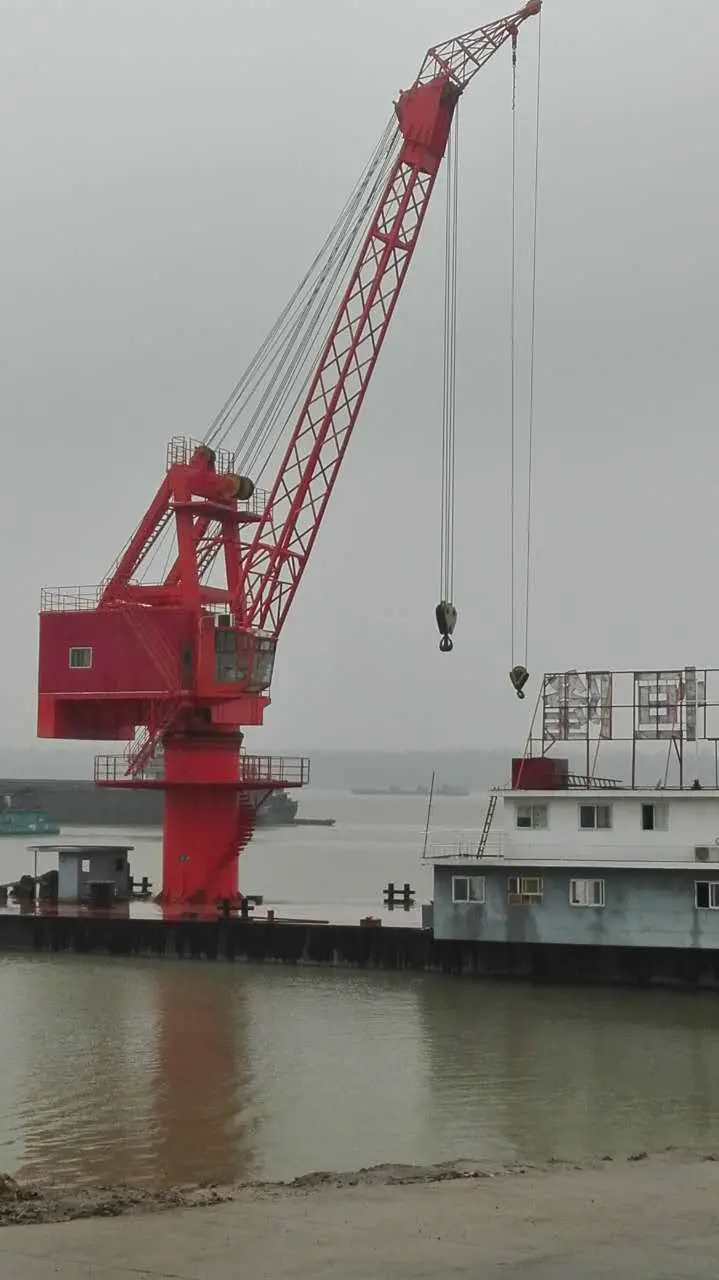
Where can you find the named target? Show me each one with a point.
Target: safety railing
(291, 771)
(68, 599)
(255, 771)
(118, 768)
(573, 782)
(180, 451)
(218, 608)
(111, 769)
(588, 782)
(467, 849)
(255, 505)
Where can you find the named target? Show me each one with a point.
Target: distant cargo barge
(445, 789)
(19, 818)
(31, 822)
(75, 803)
(280, 810)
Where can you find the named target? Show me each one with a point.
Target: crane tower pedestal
(211, 786)
(208, 819)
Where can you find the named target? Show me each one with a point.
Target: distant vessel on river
(444, 789)
(18, 818)
(277, 809)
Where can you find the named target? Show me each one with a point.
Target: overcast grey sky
(169, 169)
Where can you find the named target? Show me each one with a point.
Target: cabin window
(595, 817)
(525, 891)
(80, 658)
(468, 889)
(532, 817)
(230, 664)
(706, 895)
(655, 817)
(586, 893)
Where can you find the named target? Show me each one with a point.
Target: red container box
(539, 773)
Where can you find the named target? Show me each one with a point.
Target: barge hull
(353, 946)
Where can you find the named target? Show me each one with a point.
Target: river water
(158, 1072)
(329, 873)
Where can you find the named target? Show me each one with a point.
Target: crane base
(205, 830)
(209, 816)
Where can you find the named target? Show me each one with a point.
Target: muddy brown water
(162, 1072)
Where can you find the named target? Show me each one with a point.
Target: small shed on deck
(98, 873)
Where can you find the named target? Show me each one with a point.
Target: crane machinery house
(570, 857)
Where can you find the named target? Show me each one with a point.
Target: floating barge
(575, 877)
(21, 815)
(570, 861)
(143, 933)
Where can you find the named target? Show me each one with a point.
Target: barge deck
(142, 931)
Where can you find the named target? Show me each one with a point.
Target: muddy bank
(22, 1204)
(638, 1219)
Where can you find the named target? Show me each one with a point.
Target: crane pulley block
(446, 616)
(518, 677)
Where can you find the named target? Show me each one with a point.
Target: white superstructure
(632, 827)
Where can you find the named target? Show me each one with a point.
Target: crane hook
(446, 616)
(518, 677)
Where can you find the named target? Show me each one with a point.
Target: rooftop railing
(68, 599)
(466, 849)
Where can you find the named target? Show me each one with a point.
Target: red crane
(190, 662)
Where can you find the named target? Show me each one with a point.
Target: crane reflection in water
(148, 1084)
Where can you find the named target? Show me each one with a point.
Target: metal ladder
(147, 545)
(142, 749)
(154, 642)
(487, 824)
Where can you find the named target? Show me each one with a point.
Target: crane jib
(318, 443)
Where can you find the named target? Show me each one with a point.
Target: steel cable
(530, 446)
(447, 540)
(299, 316)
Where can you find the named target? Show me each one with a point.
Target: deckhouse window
(586, 893)
(532, 817)
(468, 889)
(655, 817)
(595, 817)
(79, 658)
(525, 891)
(706, 895)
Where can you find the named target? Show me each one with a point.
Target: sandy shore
(650, 1217)
(21, 1204)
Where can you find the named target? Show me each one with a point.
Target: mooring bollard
(394, 897)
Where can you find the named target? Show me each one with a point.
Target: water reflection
(165, 1072)
(132, 1074)
(534, 1073)
(203, 1087)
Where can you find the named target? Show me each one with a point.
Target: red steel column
(206, 819)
